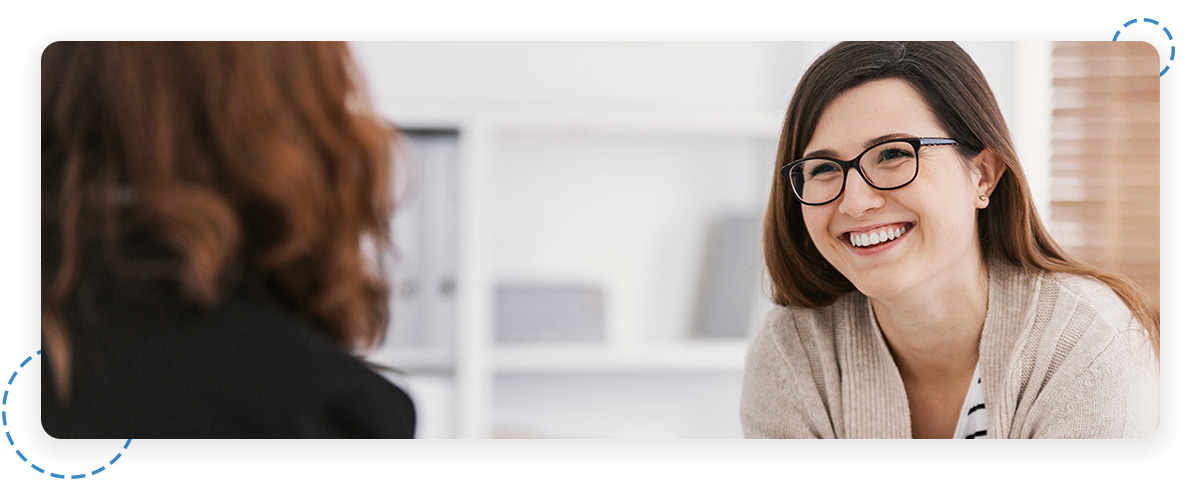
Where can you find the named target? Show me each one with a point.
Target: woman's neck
(934, 333)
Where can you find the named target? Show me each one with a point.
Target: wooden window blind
(1104, 203)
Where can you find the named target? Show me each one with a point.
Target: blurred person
(211, 214)
(919, 294)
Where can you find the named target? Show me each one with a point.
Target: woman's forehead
(873, 110)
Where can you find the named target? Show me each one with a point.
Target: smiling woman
(919, 293)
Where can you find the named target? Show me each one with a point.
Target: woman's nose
(859, 197)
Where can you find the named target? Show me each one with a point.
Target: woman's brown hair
(237, 159)
(959, 96)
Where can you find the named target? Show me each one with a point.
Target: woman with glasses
(919, 293)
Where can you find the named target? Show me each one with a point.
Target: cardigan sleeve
(1116, 396)
(780, 398)
(1102, 375)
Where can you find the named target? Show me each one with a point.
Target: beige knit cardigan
(1060, 357)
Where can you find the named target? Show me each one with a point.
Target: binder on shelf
(549, 313)
(425, 233)
(731, 278)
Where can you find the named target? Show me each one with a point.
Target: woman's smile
(875, 237)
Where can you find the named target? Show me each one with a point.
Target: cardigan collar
(876, 405)
(1012, 299)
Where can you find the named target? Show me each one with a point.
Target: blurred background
(579, 223)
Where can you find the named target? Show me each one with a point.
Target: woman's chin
(881, 285)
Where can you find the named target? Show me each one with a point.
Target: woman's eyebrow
(825, 152)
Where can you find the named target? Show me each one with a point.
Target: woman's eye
(819, 171)
(894, 154)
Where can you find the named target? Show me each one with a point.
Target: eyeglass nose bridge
(847, 167)
(856, 166)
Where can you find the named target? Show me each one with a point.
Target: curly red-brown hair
(239, 158)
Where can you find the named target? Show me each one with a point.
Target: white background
(27, 29)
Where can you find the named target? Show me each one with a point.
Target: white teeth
(873, 238)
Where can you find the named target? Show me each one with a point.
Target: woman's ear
(989, 169)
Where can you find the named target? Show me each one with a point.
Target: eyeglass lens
(888, 165)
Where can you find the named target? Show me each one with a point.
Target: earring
(983, 198)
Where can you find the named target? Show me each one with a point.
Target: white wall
(538, 76)
(702, 76)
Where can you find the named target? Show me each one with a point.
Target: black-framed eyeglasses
(887, 165)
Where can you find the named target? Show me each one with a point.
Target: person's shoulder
(1087, 366)
(246, 367)
(304, 369)
(795, 325)
(791, 384)
(794, 331)
(1080, 298)
(1081, 319)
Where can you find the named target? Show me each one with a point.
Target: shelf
(692, 356)
(414, 360)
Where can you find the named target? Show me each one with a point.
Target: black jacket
(146, 364)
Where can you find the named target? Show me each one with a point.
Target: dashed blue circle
(1164, 29)
(11, 443)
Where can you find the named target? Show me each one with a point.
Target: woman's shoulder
(318, 388)
(794, 327)
(804, 341)
(1077, 323)
(1083, 366)
(1056, 301)
(148, 364)
(1083, 302)
(1087, 289)
(791, 384)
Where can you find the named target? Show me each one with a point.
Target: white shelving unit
(502, 145)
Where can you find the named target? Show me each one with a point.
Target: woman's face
(936, 211)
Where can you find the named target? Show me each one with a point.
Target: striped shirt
(972, 420)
